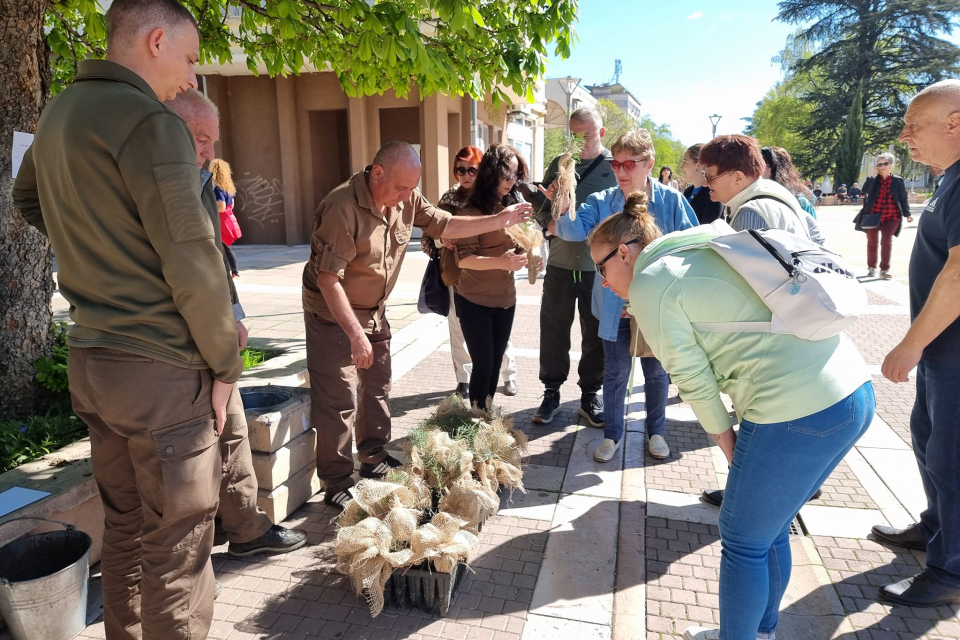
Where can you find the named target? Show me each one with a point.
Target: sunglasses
(626, 165)
(703, 172)
(465, 171)
(883, 164)
(509, 177)
(600, 264)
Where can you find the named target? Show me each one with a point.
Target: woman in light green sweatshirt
(801, 404)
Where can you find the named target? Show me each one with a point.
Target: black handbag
(870, 221)
(434, 295)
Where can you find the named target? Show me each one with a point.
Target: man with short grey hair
(932, 346)
(248, 529)
(112, 180)
(568, 283)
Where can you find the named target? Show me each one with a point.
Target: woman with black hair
(486, 295)
(667, 180)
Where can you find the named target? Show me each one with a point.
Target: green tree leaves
(451, 46)
(892, 48)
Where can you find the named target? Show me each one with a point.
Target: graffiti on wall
(260, 200)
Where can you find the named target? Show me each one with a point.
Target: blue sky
(683, 59)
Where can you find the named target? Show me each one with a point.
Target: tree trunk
(26, 279)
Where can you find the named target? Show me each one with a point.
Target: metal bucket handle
(69, 527)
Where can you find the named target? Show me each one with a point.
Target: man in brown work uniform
(247, 527)
(361, 232)
(112, 180)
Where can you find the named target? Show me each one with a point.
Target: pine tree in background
(850, 146)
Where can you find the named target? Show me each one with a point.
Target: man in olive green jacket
(112, 180)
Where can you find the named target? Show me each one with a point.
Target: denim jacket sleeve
(588, 217)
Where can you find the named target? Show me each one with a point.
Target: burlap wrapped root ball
(377, 498)
(472, 502)
(528, 238)
(364, 553)
(444, 542)
(439, 459)
(498, 451)
(567, 180)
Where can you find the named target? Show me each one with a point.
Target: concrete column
(357, 128)
(289, 165)
(433, 146)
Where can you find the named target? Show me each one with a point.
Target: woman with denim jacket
(633, 156)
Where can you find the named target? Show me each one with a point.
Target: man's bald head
(203, 120)
(943, 96)
(395, 173)
(931, 126)
(397, 154)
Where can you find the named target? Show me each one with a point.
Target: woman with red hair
(466, 164)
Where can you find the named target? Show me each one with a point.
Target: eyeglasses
(883, 164)
(465, 170)
(703, 172)
(600, 264)
(626, 165)
(509, 177)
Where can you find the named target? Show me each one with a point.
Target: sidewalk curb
(826, 587)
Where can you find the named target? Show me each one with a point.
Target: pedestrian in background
(885, 207)
(486, 294)
(666, 177)
(842, 194)
(229, 227)
(818, 194)
(780, 168)
(855, 193)
(932, 345)
(466, 164)
(697, 193)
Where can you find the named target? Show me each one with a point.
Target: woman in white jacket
(732, 168)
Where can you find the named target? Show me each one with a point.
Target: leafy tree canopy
(892, 48)
(450, 46)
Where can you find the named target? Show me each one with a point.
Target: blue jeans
(617, 361)
(776, 469)
(935, 425)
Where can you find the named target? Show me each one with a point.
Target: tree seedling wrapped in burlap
(567, 180)
(470, 501)
(444, 542)
(529, 238)
(365, 553)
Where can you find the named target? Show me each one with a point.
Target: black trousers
(563, 292)
(486, 330)
(231, 258)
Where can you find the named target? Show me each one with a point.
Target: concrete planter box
(283, 445)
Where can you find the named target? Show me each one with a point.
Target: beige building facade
(291, 140)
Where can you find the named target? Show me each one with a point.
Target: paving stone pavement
(673, 578)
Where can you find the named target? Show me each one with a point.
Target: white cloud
(695, 15)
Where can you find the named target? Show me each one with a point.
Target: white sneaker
(658, 447)
(606, 450)
(886, 275)
(872, 272)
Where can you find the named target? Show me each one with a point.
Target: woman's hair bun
(636, 204)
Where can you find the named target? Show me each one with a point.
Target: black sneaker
(549, 406)
(591, 409)
(463, 390)
(277, 539)
(376, 470)
(715, 497)
(339, 499)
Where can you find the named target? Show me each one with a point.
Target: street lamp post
(569, 85)
(714, 119)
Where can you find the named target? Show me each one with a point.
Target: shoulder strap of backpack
(769, 197)
(593, 165)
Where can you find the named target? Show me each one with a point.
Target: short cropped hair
(886, 156)
(733, 153)
(586, 114)
(127, 19)
(191, 103)
(635, 141)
